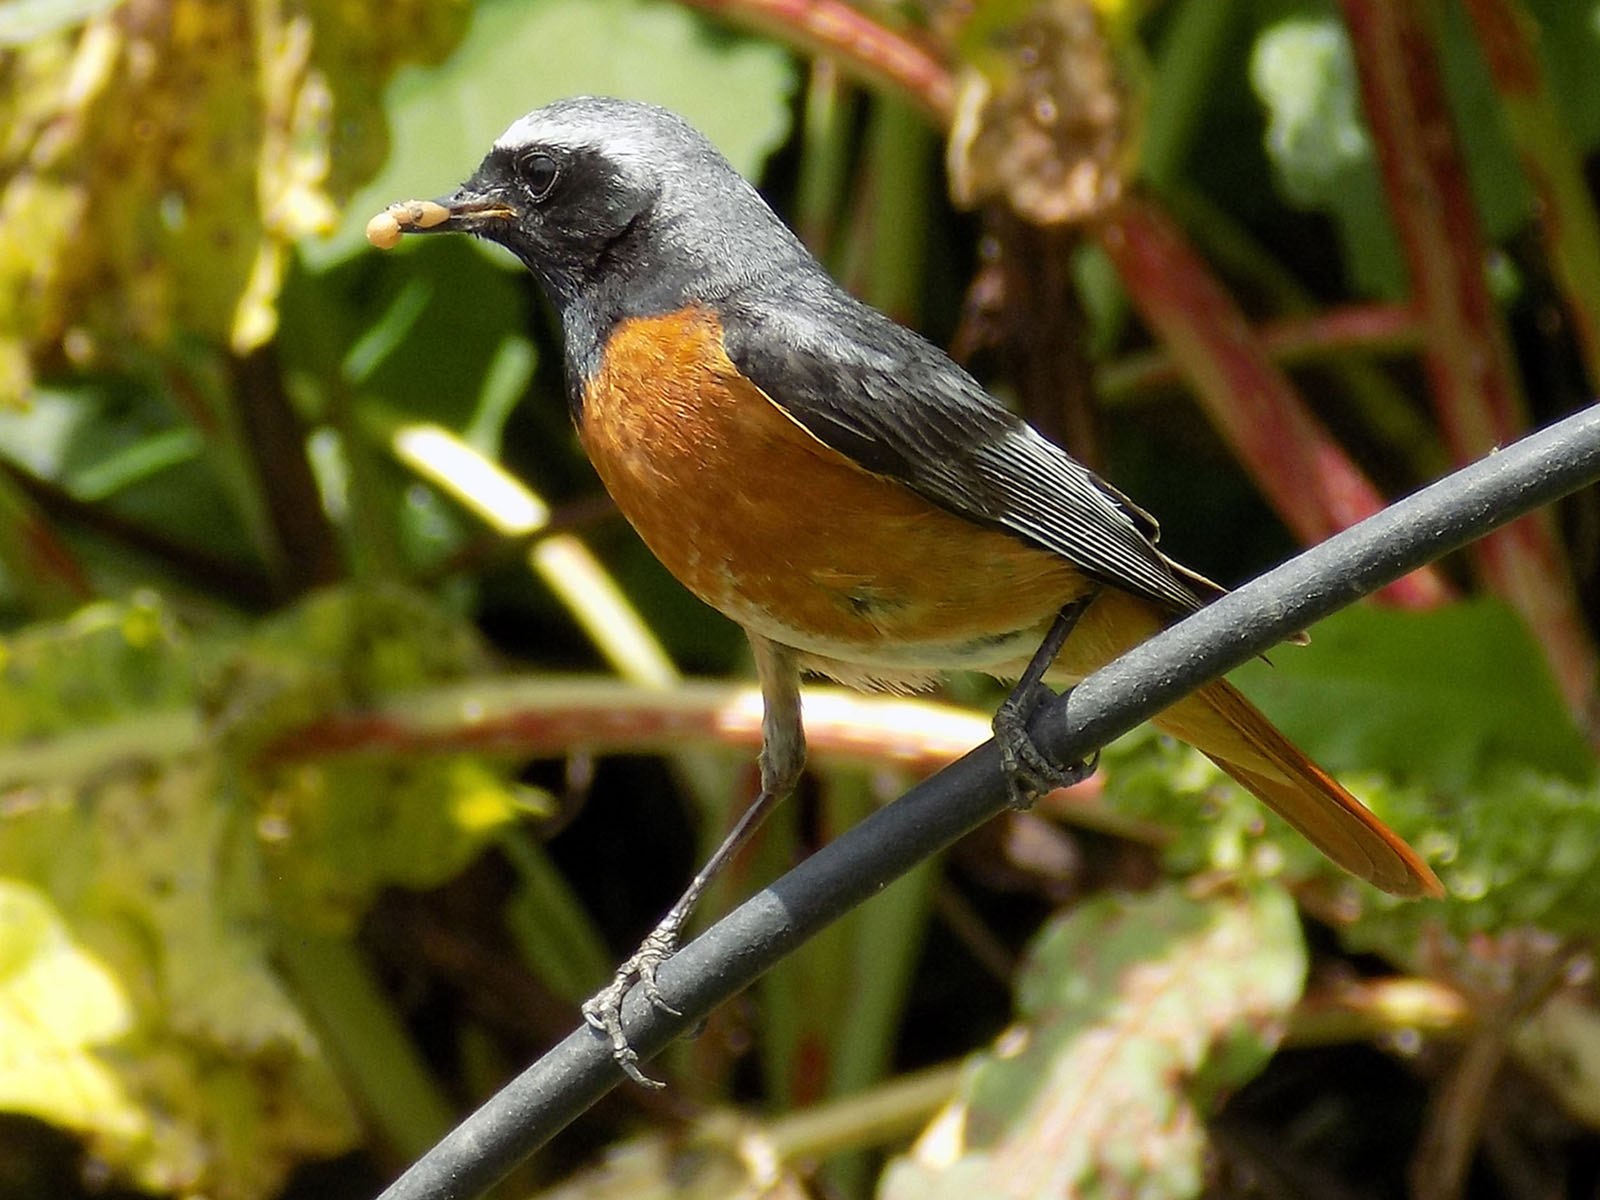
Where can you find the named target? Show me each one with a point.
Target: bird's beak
(463, 212)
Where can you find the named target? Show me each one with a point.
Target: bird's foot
(603, 1011)
(1030, 773)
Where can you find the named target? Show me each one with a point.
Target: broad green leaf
(1446, 697)
(337, 649)
(1134, 1015)
(520, 54)
(340, 832)
(335, 832)
(105, 662)
(211, 1081)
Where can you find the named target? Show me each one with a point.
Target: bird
(833, 482)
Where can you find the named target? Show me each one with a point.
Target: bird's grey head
(617, 203)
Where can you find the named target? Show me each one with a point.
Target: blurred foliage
(1323, 158)
(1132, 1015)
(157, 127)
(154, 865)
(249, 501)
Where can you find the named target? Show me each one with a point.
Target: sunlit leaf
(58, 1005)
(662, 1168)
(106, 661)
(1515, 852)
(214, 1082)
(1135, 1016)
(24, 21)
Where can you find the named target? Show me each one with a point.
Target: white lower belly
(897, 665)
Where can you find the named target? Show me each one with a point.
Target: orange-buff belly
(790, 538)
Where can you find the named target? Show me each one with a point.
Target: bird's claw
(1030, 773)
(602, 1012)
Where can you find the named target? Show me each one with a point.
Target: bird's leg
(1029, 772)
(783, 757)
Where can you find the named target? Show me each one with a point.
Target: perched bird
(830, 480)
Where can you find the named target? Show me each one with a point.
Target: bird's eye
(539, 172)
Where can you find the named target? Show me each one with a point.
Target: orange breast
(790, 538)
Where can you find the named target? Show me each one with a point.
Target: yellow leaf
(58, 1003)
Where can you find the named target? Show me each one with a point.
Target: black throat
(630, 281)
(648, 272)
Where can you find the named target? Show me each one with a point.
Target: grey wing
(897, 405)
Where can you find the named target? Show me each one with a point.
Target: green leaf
(1520, 851)
(1447, 726)
(107, 661)
(519, 55)
(424, 337)
(337, 831)
(1446, 698)
(122, 443)
(1136, 1013)
(342, 831)
(160, 213)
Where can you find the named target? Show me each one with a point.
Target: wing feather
(898, 406)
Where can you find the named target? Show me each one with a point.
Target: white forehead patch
(634, 136)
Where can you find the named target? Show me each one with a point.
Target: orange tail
(1234, 734)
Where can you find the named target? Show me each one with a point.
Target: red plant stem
(556, 717)
(1475, 394)
(875, 54)
(1308, 479)
(1376, 328)
(45, 573)
(1550, 160)
(1507, 49)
